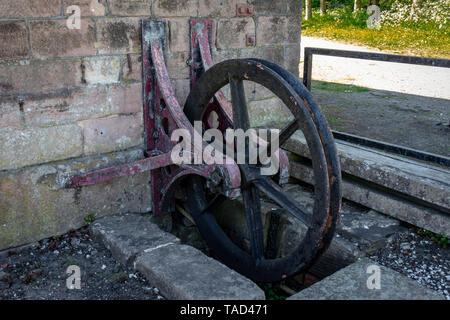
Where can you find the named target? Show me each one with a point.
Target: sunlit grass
(427, 40)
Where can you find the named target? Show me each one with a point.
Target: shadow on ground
(407, 120)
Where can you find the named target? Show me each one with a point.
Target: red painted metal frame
(128, 169)
(201, 61)
(162, 115)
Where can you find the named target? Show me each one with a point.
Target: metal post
(307, 68)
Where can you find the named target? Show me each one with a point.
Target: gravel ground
(419, 258)
(38, 272)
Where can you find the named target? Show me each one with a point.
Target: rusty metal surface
(320, 222)
(208, 185)
(201, 62)
(162, 115)
(127, 169)
(166, 109)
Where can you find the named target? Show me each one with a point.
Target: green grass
(425, 39)
(89, 218)
(272, 292)
(337, 87)
(440, 239)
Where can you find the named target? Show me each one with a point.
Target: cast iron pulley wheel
(320, 222)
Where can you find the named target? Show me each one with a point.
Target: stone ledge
(180, 271)
(384, 202)
(404, 189)
(418, 180)
(34, 206)
(129, 235)
(350, 283)
(184, 273)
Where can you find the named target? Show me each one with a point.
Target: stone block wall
(71, 99)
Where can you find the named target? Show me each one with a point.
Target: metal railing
(433, 62)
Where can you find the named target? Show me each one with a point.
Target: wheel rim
(321, 223)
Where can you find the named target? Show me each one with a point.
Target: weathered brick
(231, 32)
(9, 113)
(118, 35)
(295, 7)
(88, 7)
(112, 134)
(278, 30)
(214, 8)
(101, 70)
(14, 40)
(38, 76)
(175, 8)
(292, 59)
(67, 105)
(132, 67)
(273, 54)
(126, 98)
(38, 145)
(179, 38)
(29, 8)
(177, 66)
(268, 6)
(52, 38)
(130, 7)
(222, 55)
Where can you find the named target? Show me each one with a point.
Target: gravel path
(38, 272)
(419, 258)
(405, 78)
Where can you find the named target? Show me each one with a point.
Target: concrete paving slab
(184, 273)
(404, 189)
(358, 281)
(422, 181)
(129, 235)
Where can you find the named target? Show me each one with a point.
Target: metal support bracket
(163, 115)
(219, 112)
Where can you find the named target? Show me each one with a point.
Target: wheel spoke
(241, 119)
(254, 221)
(274, 191)
(285, 134)
(288, 131)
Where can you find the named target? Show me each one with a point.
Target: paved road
(412, 79)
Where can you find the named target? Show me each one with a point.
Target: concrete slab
(184, 273)
(359, 231)
(353, 282)
(407, 190)
(367, 227)
(129, 235)
(383, 201)
(180, 271)
(370, 229)
(422, 181)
